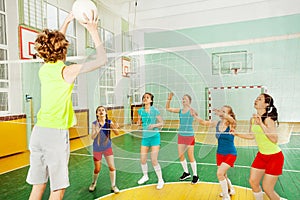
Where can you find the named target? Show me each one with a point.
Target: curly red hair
(51, 45)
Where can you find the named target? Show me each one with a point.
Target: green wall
(275, 62)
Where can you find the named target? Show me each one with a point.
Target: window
(32, 13)
(54, 19)
(107, 79)
(4, 84)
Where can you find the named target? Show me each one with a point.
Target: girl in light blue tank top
(186, 139)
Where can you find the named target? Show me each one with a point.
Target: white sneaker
(143, 180)
(160, 184)
(92, 187)
(115, 190)
(226, 198)
(231, 192)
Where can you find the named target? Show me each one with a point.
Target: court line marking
(168, 183)
(178, 162)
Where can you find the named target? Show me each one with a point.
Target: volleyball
(84, 6)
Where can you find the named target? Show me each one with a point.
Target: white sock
(194, 168)
(95, 178)
(145, 169)
(229, 183)
(158, 172)
(224, 187)
(112, 176)
(258, 195)
(184, 166)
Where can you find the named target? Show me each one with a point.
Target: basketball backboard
(27, 37)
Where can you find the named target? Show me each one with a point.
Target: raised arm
(175, 110)
(247, 136)
(268, 127)
(200, 120)
(114, 128)
(95, 131)
(100, 59)
(64, 27)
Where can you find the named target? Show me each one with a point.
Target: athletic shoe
(185, 176)
(231, 192)
(143, 180)
(160, 184)
(195, 179)
(115, 190)
(92, 187)
(226, 198)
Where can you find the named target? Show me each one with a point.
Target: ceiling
(180, 14)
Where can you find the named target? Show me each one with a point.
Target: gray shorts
(49, 157)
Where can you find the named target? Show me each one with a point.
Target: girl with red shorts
(226, 151)
(102, 146)
(269, 160)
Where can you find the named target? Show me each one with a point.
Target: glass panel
(71, 28)
(26, 12)
(75, 99)
(52, 22)
(2, 5)
(110, 98)
(3, 84)
(3, 72)
(102, 96)
(32, 15)
(71, 47)
(3, 101)
(2, 29)
(39, 14)
(109, 39)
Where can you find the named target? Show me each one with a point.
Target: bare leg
(269, 183)
(144, 152)
(181, 149)
(57, 194)
(254, 180)
(221, 174)
(156, 166)
(37, 191)
(255, 177)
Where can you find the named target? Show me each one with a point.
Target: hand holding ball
(81, 7)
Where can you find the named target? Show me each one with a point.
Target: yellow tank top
(265, 146)
(56, 105)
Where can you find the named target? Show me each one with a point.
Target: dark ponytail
(271, 110)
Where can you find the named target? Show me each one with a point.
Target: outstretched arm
(200, 120)
(64, 27)
(247, 136)
(168, 108)
(114, 128)
(72, 71)
(95, 131)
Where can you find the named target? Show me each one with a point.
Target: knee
(181, 158)
(267, 189)
(112, 169)
(96, 171)
(154, 162)
(253, 183)
(220, 175)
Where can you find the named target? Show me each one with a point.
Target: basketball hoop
(235, 70)
(127, 74)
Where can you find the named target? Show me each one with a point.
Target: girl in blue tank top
(226, 151)
(101, 130)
